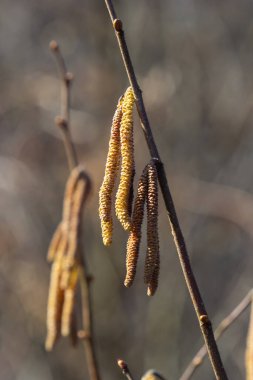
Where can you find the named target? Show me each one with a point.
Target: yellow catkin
(151, 270)
(111, 169)
(68, 305)
(55, 299)
(54, 244)
(249, 348)
(134, 239)
(127, 160)
(73, 231)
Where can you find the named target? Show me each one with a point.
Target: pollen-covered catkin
(249, 348)
(152, 256)
(134, 239)
(127, 160)
(111, 169)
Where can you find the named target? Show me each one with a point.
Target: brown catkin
(111, 169)
(54, 244)
(68, 305)
(151, 270)
(249, 348)
(127, 160)
(134, 239)
(74, 231)
(55, 298)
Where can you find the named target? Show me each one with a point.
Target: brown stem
(205, 324)
(125, 370)
(223, 326)
(64, 123)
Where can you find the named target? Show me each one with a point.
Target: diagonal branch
(223, 326)
(205, 324)
(86, 335)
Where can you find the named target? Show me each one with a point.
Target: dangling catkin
(127, 160)
(68, 305)
(111, 169)
(54, 244)
(134, 239)
(55, 298)
(151, 270)
(249, 348)
(74, 230)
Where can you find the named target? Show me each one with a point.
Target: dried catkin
(151, 270)
(54, 244)
(55, 300)
(68, 305)
(127, 160)
(74, 231)
(134, 239)
(111, 169)
(249, 348)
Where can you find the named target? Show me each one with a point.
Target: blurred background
(194, 61)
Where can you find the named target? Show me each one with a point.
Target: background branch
(125, 370)
(63, 121)
(223, 326)
(205, 324)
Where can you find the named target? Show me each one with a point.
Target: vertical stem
(205, 324)
(64, 123)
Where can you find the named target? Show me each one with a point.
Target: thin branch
(86, 335)
(63, 121)
(223, 326)
(125, 370)
(205, 324)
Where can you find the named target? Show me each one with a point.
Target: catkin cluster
(147, 192)
(63, 252)
(120, 154)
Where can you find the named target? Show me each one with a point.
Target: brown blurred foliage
(194, 62)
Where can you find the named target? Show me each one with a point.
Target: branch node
(61, 122)
(82, 334)
(68, 77)
(204, 320)
(53, 45)
(117, 24)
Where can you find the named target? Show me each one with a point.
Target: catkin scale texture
(134, 239)
(127, 160)
(68, 305)
(151, 271)
(111, 169)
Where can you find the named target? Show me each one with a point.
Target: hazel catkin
(134, 239)
(111, 169)
(127, 160)
(151, 270)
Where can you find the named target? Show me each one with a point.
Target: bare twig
(205, 324)
(223, 326)
(86, 335)
(125, 370)
(63, 121)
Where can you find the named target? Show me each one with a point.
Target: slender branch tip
(60, 122)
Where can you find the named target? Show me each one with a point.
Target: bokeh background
(194, 62)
